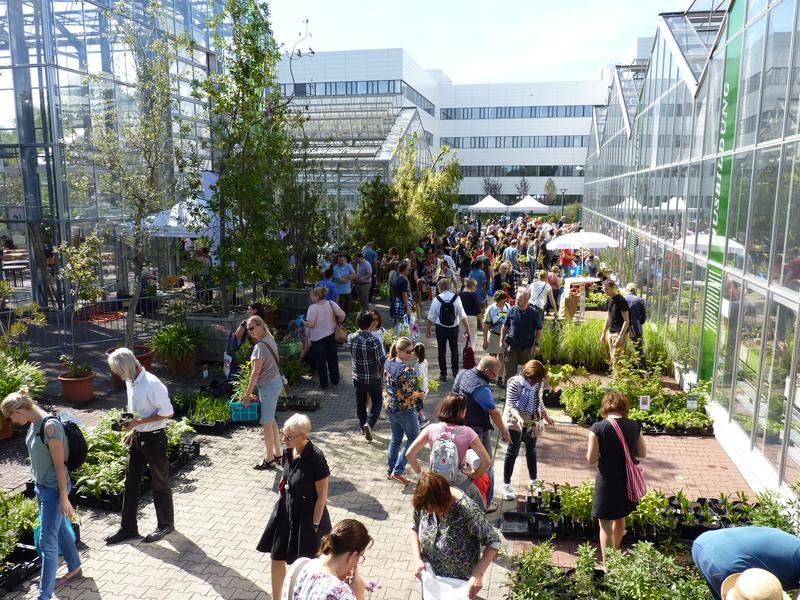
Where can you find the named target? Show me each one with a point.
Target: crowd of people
(500, 281)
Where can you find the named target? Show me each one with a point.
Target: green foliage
(176, 341)
(651, 510)
(104, 469)
(548, 342)
(561, 374)
(383, 216)
(595, 301)
(583, 577)
(15, 326)
(576, 501)
(660, 351)
(81, 268)
(241, 381)
(177, 430)
(550, 191)
(18, 374)
(208, 409)
(583, 398)
(572, 212)
(579, 344)
(293, 370)
(18, 516)
(771, 512)
(534, 577)
(74, 368)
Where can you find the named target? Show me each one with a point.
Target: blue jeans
(403, 422)
(54, 537)
(513, 451)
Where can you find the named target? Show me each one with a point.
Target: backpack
(78, 448)
(444, 455)
(447, 311)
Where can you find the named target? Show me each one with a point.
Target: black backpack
(78, 448)
(447, 311)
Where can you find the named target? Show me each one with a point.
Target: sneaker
(443, 378)
(491, 508)
(401, 478)
(367, 432)
(508, 493)
(424, 423)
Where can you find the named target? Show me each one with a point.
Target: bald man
(475, 385)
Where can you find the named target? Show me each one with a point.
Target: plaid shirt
(368, 357)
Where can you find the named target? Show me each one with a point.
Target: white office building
(363, 102)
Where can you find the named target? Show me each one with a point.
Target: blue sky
(479, 41)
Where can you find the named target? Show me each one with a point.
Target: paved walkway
(222, 504)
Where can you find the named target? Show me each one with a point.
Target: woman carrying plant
(504, 280)
(321, 320)
(493, 320)
(334, 574)
(300, 517)
(611, 504)
(522, 415)
(400, 396)
(48, 449)
(448, 532)
(237, 337)
(451, 414)
(266, 376)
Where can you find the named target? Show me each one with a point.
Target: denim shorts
(268, 396)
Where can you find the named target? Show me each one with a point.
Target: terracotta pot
(77, 389)
(6, 429)
(184, 366)
(144, 354)
(271, 314)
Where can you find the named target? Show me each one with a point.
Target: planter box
(23, 562)
(216, 428)
(217, 329)
(106, 502)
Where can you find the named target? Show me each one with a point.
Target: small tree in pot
(81, 262)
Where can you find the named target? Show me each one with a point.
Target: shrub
(533, 577)
(583, 399)
(659, 351)
(579, 344)
(642, 573)
(209, 409)
(17, 374)
(175, 342)
(548, 343)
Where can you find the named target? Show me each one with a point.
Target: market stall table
(580, 281)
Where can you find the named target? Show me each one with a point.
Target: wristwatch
(316, 526)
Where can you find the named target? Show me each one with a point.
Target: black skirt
(611, 498)
(288, 540)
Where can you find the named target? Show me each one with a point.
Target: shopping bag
(410, 321)
(468, 356)
(37, 534)
(443, 588)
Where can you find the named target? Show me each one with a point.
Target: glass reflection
(749, 357)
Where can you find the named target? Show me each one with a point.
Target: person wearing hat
(753, 584)
(724, 553)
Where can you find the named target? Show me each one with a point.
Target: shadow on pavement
(343, 494)
(189, 557)
(85, 589)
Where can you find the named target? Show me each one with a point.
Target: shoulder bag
(287, 591)
(636, 485)
(286, 391)
(339, 333)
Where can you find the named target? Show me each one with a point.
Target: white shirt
(537, 293)
(147, 396)
(433, 312)
(450, 262)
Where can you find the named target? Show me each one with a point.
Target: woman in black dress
(611, 504)
(300, 517)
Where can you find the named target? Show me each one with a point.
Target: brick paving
(222, 504)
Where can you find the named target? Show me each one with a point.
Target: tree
(383, 216)
(523, 187)
(135, 148)
(492, 187)
(550, 191)
(430, 192)
(252, 146)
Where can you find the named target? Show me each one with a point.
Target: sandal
(264, 464)
(66, 579)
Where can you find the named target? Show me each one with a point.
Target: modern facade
(498, 131)
(694, 165)
(49, 190)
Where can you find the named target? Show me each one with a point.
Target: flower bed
(565, 511)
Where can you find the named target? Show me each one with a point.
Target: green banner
(722, 185)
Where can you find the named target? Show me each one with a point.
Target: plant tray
(216, 428)
(295, 403)
(106, 502)
(23, 562)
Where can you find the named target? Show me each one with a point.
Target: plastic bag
(443, 588)
(410, 321)
(227, 361)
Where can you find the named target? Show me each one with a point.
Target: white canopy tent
(489, 205)
(586, 240)
(717, 243)
(673, 203)
(529, 204)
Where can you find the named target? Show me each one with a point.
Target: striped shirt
(524, 397)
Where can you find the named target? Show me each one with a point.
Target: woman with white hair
(48, 449)
(300, 518)
(146, 439)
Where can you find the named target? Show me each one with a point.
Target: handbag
(286, 391)
(636, 485)
(468, 356)
(339, 333)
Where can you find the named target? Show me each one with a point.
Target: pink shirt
(463, 440)
(320, 319)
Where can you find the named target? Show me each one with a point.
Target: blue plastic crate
(242, 414)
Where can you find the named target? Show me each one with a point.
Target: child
(421, 373)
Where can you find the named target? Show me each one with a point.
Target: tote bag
(636, 485)
(340, 333)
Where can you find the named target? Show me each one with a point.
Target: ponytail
(346, 536)
(401, 343)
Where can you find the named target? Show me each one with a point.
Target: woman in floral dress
(449, 531)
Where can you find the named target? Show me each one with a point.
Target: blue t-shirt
(332, 293)
(724, 552)
(521, 327)
(483, 398)
(480, 277)
(370, 255)
(343, 287)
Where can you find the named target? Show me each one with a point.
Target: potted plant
(271, 307)
(77, 382)
(81, 263)
(176, 345)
